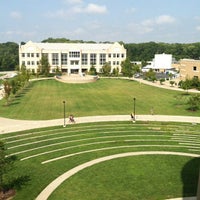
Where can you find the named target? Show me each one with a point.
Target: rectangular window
(118, 55)
(194, 68)
(23, 63)
(84, 59)
(74, 62)
(109, 55)
(32, 55)
(64, 58)
(122, 55)
(28, 62)
(114, 55)
(37, 55)
(74, 54)
(28, 54)
(93, 59)
(32, 63)
(55, 60)
(102, 59)
(23, 55)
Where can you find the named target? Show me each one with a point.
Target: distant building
(72, 57)
(189, 69)
(160, 63)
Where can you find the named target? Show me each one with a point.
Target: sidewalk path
(12, 125)
(59, 180)
(165, 85)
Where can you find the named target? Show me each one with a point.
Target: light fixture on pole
(64, 125)
(134, 99)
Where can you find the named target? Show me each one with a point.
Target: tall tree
(6, 164)
(7, 90)
(127, 68)
(44, 66)
(106, 69)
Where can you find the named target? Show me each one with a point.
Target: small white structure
(160, 63)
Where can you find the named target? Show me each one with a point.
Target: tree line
(9, 55)
(146, 51)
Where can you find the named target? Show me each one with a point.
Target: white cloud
(90, 8)
(164, 19)
(73, 1)
(15, 15)
(149, 25)
(198, 28)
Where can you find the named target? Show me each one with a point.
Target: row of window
(32, 55)
(72, 62)
(72, 54)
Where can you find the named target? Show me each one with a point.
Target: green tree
(106, 69)
(8, 182)
(150, 75)
(115, 72)
(194, 102)
(6, 164)
(185, 85)
(8, 56)
(172, 83)
(44, 66)
(162, 80)
(127, 68)
(7, 91)
(92, 70)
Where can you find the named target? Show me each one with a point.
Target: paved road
(12, 125)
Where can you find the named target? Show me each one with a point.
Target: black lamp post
(64, 114)
(134, 99)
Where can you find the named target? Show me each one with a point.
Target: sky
(130, 21)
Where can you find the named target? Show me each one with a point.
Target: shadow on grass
(190, 177)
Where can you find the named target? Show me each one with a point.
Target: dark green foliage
(6, 164)
(44, 66)
(146, 51)
(106, 69)
(127, 68)
(8, 56)
(190, 84)
(92, 70)
(150, 75)
(64, 40)
(194, 102)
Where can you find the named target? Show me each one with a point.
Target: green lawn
(43, 100)
(147, 177)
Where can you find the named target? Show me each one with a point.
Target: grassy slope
(146, 173)
(43, 100)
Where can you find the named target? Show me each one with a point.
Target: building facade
(72, 57)
(189, 69)
(160, 63)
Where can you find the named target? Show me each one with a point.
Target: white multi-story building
(72, 57)
(160, 63)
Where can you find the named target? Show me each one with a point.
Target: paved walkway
(165, 85)
(12, 125)
(54, 184)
